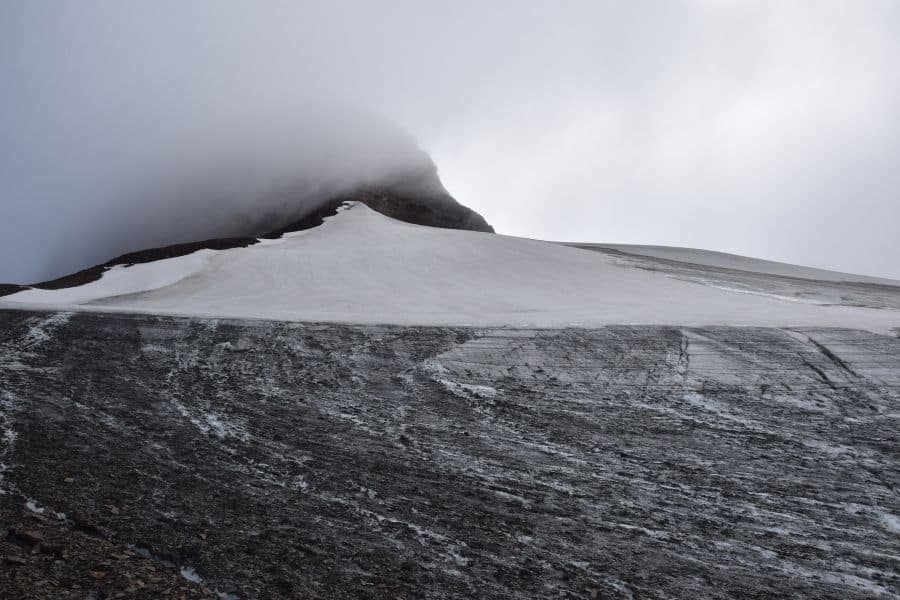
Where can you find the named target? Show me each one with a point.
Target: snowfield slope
(211, 436)
(363, 267)
(723, 260)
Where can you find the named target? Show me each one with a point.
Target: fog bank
(198, 176)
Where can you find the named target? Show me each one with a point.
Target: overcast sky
(770, 129)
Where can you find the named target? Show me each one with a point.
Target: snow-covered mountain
(363, 406)
(362, 266)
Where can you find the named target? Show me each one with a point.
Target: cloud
(765, 128)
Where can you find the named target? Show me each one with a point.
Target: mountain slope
(166, 457)
(419, 198)
(723, 260)
(361, 266)
(259, 456)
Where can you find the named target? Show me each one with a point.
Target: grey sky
(770, 129)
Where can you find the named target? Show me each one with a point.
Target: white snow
(42, 331)
(363, 267)
(468, 389)
(191, 575)
(724, 260)
(122, 280)
(890, 521)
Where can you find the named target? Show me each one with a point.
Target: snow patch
(439, 373)
(468, 389)
(190, 573)
(890, 521)
(865, 585)
(42, 330)
(209, 422)
(830, 450)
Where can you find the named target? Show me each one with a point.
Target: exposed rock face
(436, 211)
(419, 198)
(170, 457)
(11, 288)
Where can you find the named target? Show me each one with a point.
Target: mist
(103, 153)
(205, 176)
(764, 128)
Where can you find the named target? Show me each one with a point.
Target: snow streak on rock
(259, 459)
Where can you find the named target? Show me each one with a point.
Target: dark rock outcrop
(11, 288)
(435, 211)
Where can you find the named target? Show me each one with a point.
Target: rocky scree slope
(159, 457)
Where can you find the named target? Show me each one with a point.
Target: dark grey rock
(620, 462)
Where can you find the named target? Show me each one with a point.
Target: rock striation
(145, 457)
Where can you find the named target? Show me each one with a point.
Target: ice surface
(363, 267)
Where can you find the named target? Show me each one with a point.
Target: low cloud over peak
(762, 128)
(198, 176)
